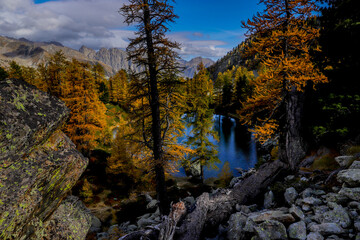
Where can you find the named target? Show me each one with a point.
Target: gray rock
(152, 204)
(304, 179)
(194, 170)
(297, 231)
(353, 214)
(357, 226)
(144, 222)
(102, 236)
(296, 212)
(352, 193)
(249, 225)
(327, 228)
(321, 209)
(190, 200)
(289, 178)
(308, 220)
(350, 176)
(338, 215)
(290, 195)
(236, 223)
(334, 237)
(271, 230)
(95, 225)
(269, 200)
(318, 192)
(335, 197)
(243, 208)
(308, 192)
(148, 197)
(312, 201)
(314, 236)
(355, 165)
(131, 228)
(307, 162)
(344, 161)
(354, 204)
(306, 207)
(276, 215)
(253, 207)
(38, 166)
(234, 181)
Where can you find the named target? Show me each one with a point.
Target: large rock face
(38, 164)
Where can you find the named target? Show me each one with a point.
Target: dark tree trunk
(292, 147)
(155, 113)
(291, 143)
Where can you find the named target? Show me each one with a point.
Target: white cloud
(73, 23)
(205, 48)
(94, 23)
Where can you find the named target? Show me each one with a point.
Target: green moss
(41, 114)
(326, 162)
(9, 136)
(353, 150)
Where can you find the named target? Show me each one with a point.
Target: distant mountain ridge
(233, 58)
(191, 66)
(29, 53)
(114, 57)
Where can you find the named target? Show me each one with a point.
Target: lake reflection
(235, 146)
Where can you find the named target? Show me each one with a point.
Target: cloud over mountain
(93, 23)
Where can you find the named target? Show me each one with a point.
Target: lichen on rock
(38, 165)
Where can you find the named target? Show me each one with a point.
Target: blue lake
(235, 145)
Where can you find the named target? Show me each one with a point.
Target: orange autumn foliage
(282, 37)
(119, 87)
(87, 117)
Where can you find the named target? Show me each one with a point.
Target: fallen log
(212, 209)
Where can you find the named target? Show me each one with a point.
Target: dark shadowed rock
(314, 236)
(236, 223)
(297, 231)
(290, 195)
(327, 228)
(271, 230)
(70, 220)
(352, 193)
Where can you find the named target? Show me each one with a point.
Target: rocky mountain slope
(114, 57)
(29, 53)
(190, 67)
(38, 167)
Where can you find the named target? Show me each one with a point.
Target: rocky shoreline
(308, 209)
(313, 214)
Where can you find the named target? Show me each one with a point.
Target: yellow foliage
(225, 175)
(86, 191)
(281, 39)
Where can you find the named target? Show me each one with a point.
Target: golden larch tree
(87, 118)
(282, 37)
(119, 87)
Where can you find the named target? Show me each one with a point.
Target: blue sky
(207, 28)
